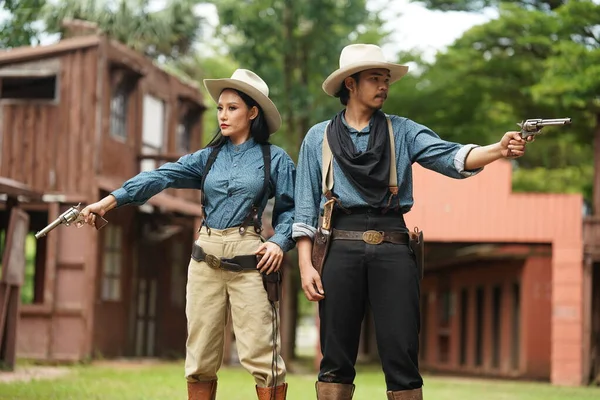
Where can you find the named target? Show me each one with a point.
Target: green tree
(478, 5)
(537, 59)
(293, 46)
(168, 33)
(18, 29)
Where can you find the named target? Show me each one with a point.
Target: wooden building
(78, 118)
(506, 292)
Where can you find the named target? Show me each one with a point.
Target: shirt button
(235, 165)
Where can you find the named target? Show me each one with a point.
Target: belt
(371, 236)
(235, 264)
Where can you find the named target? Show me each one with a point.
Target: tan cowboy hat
(359, 57)
(251, 84)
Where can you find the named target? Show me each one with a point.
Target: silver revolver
(532, 127)
(72, 215)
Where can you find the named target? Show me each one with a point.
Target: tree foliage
(293, 46)
(167, 33)
(538, 59)
(18, 29)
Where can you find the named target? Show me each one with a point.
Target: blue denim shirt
(413, 143)
(234, 180)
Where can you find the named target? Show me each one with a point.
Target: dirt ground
(26, 373)
(29, 372)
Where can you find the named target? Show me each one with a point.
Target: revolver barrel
(532, 127)
(47, 229)
(65, 218)
(556, 121)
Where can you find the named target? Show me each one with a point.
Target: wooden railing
(591, 234)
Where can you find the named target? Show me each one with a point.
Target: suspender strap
(327, 171)
(393, 173)
(253, 214)
(209, 163)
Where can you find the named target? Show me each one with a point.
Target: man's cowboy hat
(251, 84)
(359, 57)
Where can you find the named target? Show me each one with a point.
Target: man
(369, 260)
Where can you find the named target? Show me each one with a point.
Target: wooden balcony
(591, 235)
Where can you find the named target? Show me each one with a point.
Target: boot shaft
(202, 390)
(415, 394)
(269, 393)
(334, 391)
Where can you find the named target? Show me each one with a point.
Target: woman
(245, 171)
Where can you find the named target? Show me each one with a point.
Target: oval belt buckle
(372, 237)
(212, 261)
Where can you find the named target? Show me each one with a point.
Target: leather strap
(236, 264)
(371, 237)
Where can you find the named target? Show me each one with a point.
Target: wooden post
(13, 275)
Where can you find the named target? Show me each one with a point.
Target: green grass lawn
(164, 381)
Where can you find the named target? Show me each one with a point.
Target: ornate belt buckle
(212, 261)
(372, 237)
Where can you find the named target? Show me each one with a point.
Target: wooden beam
(15, 188)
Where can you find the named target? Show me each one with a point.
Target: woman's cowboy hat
(359, 57)
(251, 84)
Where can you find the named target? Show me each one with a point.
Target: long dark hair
(259, 130)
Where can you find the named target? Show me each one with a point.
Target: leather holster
(416, 244)
(320, 247)
(272, 284)
(322, 238)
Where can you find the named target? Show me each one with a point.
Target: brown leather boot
(334, 391)
(415, 394)
(267, 393)
(202, 390)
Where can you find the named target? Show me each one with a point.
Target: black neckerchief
(368, 171)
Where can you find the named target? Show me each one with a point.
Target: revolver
(68, 217)
(532, 127)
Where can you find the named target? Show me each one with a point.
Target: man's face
(372, 88)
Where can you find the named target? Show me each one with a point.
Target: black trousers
(384, 276)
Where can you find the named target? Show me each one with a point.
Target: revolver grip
(100, 222)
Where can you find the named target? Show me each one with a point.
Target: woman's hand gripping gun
(72, 215)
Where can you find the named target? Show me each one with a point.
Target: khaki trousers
(210, 295)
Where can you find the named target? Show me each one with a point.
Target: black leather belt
(371, 236)
(235, 264)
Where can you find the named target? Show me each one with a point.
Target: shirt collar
(366, 129)
(240, 148)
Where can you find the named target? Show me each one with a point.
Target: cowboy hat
(359, 57)
(251, 84)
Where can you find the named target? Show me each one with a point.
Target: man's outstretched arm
(510, 146)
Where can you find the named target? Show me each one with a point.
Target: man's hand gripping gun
(532, 127)
(72, 215)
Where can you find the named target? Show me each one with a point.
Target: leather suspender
(253, 213)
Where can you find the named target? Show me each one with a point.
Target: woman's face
(234, 116)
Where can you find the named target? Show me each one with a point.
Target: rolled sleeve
(121, 196)
(300, 229)
(460, 159)
(308, 183)
(283, 209)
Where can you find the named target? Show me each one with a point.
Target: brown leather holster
(320, 248)
(416, 244)
(322, 238)
(272, 284)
